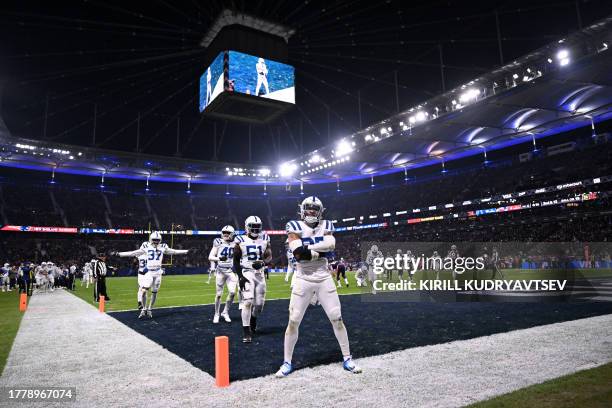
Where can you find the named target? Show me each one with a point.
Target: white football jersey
(316, 270)
(154, 255)
(225, 249)
(252, 249)
(142, 263)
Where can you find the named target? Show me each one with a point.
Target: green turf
(9, 323)
(585, 389)
(184, 290)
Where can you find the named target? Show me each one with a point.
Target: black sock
(253, 323)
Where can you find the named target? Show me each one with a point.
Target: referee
(98, 267)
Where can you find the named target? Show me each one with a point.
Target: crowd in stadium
(67, 204)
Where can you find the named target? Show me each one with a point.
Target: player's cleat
(142, 314)
(226, 317)
(284, 370)
(149, 314)
(216, 319)
(247, 337)
(349, 365)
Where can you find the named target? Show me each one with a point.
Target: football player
(341, 271)
(151, 278)
(251, 253)
(4, 277)
(453, 254)
(311, 239)
(437, 264)
(372, 254)
(51, 272)
(222, 254)
(361, 275)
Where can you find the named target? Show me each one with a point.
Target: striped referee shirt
(98, 268)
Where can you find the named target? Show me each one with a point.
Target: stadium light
(343, 148)
(264, 172)
(563, 57)
(286, 169)
(562, 54)
(472, 94)
(315, 158)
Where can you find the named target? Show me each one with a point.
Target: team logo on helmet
(227, 232)
(311, 210)
(252, 225)
(155, 238)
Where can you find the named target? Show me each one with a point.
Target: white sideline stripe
(64, 341)
(131, 370)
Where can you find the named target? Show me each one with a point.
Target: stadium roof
(563, 85)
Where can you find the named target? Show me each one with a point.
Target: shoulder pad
(239, 239)
(144, 245)
(217, 242)
(328, 226)
(294, 227)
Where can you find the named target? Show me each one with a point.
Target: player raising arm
(310, 240)
(150, 256)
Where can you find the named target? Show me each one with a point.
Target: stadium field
(587, 389)
(9, 323)
(184, 290)
(189, 290)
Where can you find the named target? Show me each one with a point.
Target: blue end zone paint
(374, 329)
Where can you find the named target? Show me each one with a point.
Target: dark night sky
(140, 56)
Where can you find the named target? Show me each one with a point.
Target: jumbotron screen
(249, 75)
(211, 82)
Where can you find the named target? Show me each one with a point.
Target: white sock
(228, 303)
(246, 314)
(153, 299)
(342, 337)
(217, 304)
(291, 337)
(144, 299)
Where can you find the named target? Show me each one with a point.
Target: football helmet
(227, 232)
(155, 238)
(252, 225)
(311, 210)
